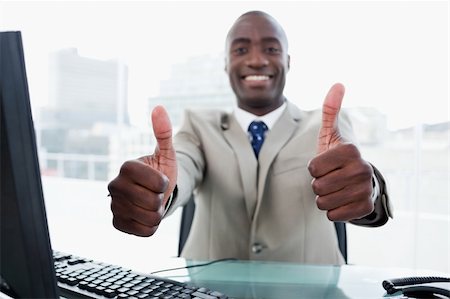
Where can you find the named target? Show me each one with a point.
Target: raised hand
(140, 191)
(342, 179)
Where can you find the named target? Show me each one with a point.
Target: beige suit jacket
(250, 209)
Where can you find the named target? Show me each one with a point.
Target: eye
(240, 51)
(273, 50)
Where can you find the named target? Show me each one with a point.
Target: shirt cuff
(375, 188)
(170, 201)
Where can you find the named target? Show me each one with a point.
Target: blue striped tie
(257, 130)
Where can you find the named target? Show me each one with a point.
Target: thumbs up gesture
(342, 180)
(140, 191)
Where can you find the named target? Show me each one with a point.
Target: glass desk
(273, 280)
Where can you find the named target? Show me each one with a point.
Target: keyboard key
(132, 292)
(156, 293)
(140, 277)
(218, 295)
(75, 261)
(143, 284)
(203, 296)
(203, 290)
(173, 293)
(123, 290)
(72, 281)
(109, 293)
(188, 291)
(99, 290)
(158, 283)
(115, 286)
(106, 284)
(138, 288)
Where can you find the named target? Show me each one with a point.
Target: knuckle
(112, 186)
(157, 220)
(320, 203)
(161, 182)
(116, 207)
(351, 147)
(366, 170)
(120, 225)
(369, 207)
(312, 168)
(113, 206)
(331, 216)
(151, 231)
(115, 223)
(364, 192)
(156, 201)
(365, 209)
(316, 186)
(127, 167)
(351, 150)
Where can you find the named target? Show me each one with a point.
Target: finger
(136, 195)
(343, 197)
(355, 176)
(351, 211)
(329, 183)
(126, 210)
(329, 132)
(333, 159)
(140, 173)
(162, 128)
(133, 227)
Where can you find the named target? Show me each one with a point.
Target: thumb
(164, 157)
(162, 128)
(329, 135)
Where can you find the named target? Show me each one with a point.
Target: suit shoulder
(203, 116)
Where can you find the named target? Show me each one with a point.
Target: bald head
(248, 20)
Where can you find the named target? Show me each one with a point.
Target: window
(95, 71)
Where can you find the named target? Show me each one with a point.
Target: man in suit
(268, 189)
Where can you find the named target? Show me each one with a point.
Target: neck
(262, 110)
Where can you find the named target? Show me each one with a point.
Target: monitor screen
(26, 261)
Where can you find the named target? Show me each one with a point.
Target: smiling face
(257, 62)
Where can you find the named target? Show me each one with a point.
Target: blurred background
(97, 69)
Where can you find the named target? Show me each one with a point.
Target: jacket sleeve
(382, 211)
(191, 163)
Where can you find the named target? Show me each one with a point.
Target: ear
(289, 62)
(225, 67)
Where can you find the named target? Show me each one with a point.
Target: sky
(393, 56)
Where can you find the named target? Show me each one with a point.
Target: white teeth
(256, 78)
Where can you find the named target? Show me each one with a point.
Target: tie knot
(257, 131)
(257, 127)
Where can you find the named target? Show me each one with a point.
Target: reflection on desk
(274, 280)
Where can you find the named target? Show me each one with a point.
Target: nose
(256, 59)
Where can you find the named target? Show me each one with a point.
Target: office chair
(188, 214)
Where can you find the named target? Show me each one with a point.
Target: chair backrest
(188, 214)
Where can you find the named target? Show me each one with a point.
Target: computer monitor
(26, 261)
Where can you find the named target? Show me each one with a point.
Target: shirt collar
(244, 118)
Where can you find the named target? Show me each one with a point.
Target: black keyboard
(83, 278)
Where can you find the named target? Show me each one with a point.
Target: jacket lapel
(278, 136)
(248, 165)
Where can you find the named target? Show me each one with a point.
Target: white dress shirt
(245, 118)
